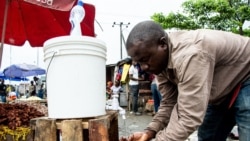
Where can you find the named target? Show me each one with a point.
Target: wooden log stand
(101, 128)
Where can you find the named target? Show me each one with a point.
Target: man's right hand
(137, 136)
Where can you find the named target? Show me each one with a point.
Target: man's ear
(163, 41)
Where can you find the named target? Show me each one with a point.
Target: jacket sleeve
(169, 98)
(195, 75)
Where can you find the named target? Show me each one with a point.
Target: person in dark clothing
(3, 93)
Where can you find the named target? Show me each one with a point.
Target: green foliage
(246, 32)
(227, 15)
(177, 21)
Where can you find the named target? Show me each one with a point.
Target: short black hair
(148, 32)
(35, 78)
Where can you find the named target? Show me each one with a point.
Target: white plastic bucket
(76, 76)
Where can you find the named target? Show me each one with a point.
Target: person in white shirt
(134, 86)
(116, 88)
(38, 83)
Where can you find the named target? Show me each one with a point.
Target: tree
(227, 15)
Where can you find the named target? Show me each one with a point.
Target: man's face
(152, 59)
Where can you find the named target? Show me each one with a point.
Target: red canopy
(21, 21)
(26, 21)
(63, 5)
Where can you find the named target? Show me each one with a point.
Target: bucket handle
(47, 70)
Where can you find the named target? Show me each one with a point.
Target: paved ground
(134, 123)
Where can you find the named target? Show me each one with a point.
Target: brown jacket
(204, 66)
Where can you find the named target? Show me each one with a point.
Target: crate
(101, 128)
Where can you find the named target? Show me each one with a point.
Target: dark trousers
(134, 92)
(219, 119)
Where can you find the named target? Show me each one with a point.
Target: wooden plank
(100, 128)
(72, 130)
(113, 130)
(33, 122)
(85, 125)
(45, 130)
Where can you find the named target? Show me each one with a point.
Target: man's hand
(137, 136)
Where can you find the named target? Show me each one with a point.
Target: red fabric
(235, 94)
(118, 76)
(63, 5)
(37, 24)
(151, 77)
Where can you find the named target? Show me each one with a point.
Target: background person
(116, 88)
(134, 86)
(41, 91)
(32, 88)
(12, 96)
(156, 94)
(33, 96)
(3, 92)
(108, 89)
(37, 82)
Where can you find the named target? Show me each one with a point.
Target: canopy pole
(4, 29)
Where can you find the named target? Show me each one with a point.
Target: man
(38, 83)
(199, 74)
(41, 91)
(32, 88)
(134, 79)
(3, 93)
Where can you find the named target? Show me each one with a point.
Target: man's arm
(135, 79)
(169, 98)
(195, 76)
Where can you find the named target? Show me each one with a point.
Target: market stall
(121, 74)
(15, 120)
